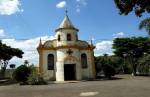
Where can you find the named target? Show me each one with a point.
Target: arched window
(84, 61)
(68, 37)
(50, 62)
(58, 37)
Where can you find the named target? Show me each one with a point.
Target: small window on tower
(68, 37)
(58, 37)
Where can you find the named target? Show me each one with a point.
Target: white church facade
(66, 57)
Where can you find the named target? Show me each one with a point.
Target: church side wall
(48, 74)
(87, 72)
(91, 63)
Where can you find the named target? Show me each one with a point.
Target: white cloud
(80, 3)
(78, 9)
(61, 4)
(2, 33)
(118, 35)
(9, 7)
(104, 47)
(30, 52)
(29, 48)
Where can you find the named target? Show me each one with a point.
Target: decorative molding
(65, 47)
(70, 58)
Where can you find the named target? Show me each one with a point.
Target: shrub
(109, 71)
(38, 81)
(22, 73)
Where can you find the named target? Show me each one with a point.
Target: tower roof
(66, 24)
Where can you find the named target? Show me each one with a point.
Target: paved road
(127, 87)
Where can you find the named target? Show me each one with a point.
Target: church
(66, 57)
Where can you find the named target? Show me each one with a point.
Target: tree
(145, 59)
(6, 54)
(145, 24)
(108, 70)
(26, 62)
(22, 73)
(144, 67)
(133, 47)
(106, 65)
(138, 6)
(98, 64)
(12, 66)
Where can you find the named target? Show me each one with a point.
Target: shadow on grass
(144, 75)
(103, 78)
(6, 82)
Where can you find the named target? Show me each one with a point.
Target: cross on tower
(66, 11)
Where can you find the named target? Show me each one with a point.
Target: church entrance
(69, 72)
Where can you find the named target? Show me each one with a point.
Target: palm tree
(145, 24)
(26, 62)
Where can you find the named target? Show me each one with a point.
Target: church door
(69, 72)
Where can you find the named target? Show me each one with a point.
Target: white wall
(48, 74)
(87, 72)
(63, 37)
(61, 56)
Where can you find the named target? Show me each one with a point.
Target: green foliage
(38, 81)
(144, 65)
(34, 74)
(138, 6)
(145, 59)
(134, 48)
(116, 62)
(35, 78)
(26, 62)
(6, 54)
(98, 63)
(106, 65)
(108, 71)
(22, 73)
(127, 68)
(145, 24)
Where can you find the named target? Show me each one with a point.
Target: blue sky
(96, 19)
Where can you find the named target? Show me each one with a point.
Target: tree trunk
(134, 68)
(3, 68)
(2, 72)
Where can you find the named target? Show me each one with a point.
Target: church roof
(53, 44)
(66, 24)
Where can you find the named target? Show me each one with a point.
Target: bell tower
(66, 32)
